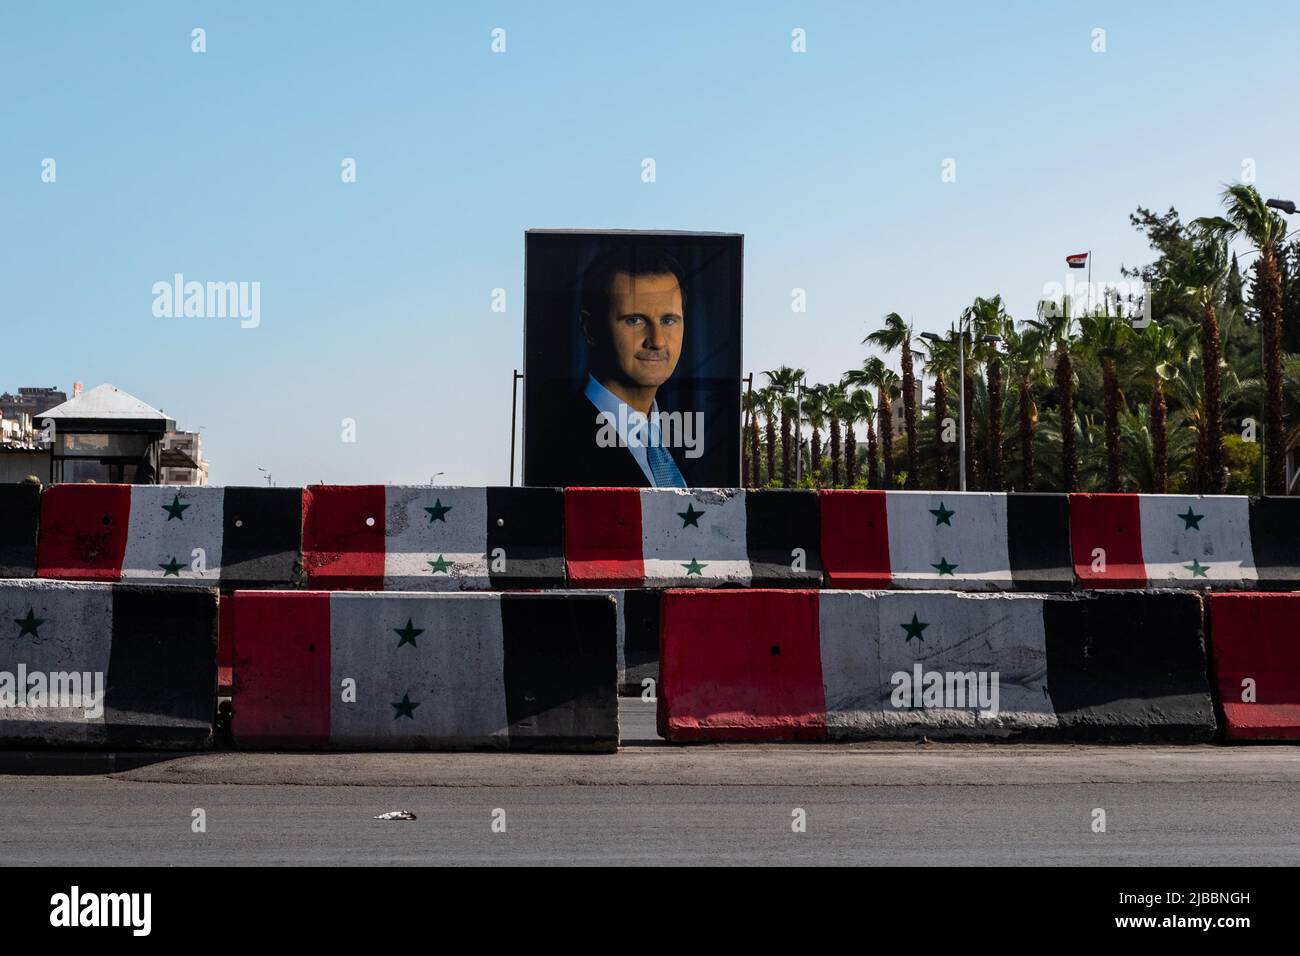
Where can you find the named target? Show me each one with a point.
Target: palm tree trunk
(1270, 309)
(886, 415)
(850, 455)
(771, 448)
(753, 449)
(1026, 435)
(909, 418)
(815, 465)
(1160, 436)
(873, 475)
(968, 416)
(835, 452)
(1211, 354)
(1110, 384)
(993, 479)
(940, 446)
(1065, 395)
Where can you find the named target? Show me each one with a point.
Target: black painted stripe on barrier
(527, 524)
(640, 640)
(777, 522)
(1129, 665)
(1275, 540)
(1038, 542)
(262, 538)
(20, 507)
(560, 671)
(162, 670)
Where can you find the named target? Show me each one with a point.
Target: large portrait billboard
(632, 347)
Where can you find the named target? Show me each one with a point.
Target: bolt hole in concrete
(107, 520)
(239, 522)
(776, 650)
(370, 522)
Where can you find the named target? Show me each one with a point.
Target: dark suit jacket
(571, 456)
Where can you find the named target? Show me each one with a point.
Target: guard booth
(105, 435)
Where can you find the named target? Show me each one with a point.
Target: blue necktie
(664, 469)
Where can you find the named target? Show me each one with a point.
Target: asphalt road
(878, 804)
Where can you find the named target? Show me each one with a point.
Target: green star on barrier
(915, 628)
(942, 515)
(438, 512)
(690, 517)
(694, 568)
(408, 634)
(172, 568)
(440, 566)
(1198, 570)
(175, 509)
(404, 707)
(1191, 520)
(29, 624)
(943, 567)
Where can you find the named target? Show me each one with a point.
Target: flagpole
(1089, 281)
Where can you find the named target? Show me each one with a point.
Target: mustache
(652, 355)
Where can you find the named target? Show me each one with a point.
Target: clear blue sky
(376, 295)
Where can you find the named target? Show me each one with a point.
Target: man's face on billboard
(645, 325)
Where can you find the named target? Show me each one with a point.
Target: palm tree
(1195, 281)
(1026, 350)
(1247, 215)
(749, 442)
(876, 373)
(896, 335)
(839, 409)
(1105, 337)
(814, 413)
(988, 320)
(863, 410)
(768, 401)
(941, 361)
(1055, 326)
(783, 382)
(1156, 350)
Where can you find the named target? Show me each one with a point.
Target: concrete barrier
(127, 667)
(20, 507)
(945, 540)
(384, 671)
(1165, 541)
(1255, 653)
(171, 534)
(707, 537)
(419, 538)
(809, 665)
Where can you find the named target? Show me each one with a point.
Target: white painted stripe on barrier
(52, 627)
(937, 632)
(1189, 541)
(426, 672)
(435, 539)
(948, 540)
(174, 535)
(694, 537)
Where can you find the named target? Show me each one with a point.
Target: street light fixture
(1286, 205)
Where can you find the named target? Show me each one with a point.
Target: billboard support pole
(514, 405)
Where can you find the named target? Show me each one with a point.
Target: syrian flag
(171, 534)
(1077, 261)
(420, 538)
(1162, 541)
(425, 671)
(702, 537)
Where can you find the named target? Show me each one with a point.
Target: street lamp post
(961, 390)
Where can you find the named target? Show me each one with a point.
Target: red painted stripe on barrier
(282, 667)
(1113, 524)
(741, 665)
(1255, 636)
(602, 537)
(855, 539)
(343, 537)
(83, 532)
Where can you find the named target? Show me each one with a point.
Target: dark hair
(629, 258)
